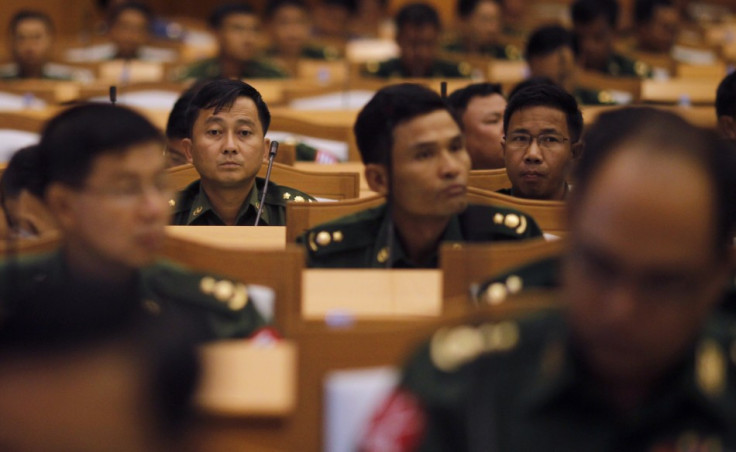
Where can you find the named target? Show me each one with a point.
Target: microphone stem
(271, 156)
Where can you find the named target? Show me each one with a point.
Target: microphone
(271, 155)
(113, 94)
(443, 90)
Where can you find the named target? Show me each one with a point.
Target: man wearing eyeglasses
(542, 126)
(104, 180)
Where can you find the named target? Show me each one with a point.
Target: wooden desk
(353, 167)
(234, 237)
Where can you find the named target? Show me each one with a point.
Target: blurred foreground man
(635, 360)
(104, 181)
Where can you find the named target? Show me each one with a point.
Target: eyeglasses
(546, 141)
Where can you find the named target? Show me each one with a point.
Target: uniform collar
(201, 206)
(389, 246)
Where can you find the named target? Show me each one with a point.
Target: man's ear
(266, 146)
(577, 149)
(58, 200)
(377, 177)
(186, 146)
(727, 127)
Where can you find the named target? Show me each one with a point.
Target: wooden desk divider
(234, 237)
(302, 216)
(489, 179)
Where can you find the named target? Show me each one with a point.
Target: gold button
(197, 211)
(223, 290)
(512, 220)
(299, 198)
(323, 238)
(498, 218)
(172, 203)
(337, 236)
(382, 256)
(514, 284)
(207, 285)
(496, 293)
(239, 299)
(152, 307)
(287, 195)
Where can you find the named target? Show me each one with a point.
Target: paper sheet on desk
(12, 140)
(351, 398)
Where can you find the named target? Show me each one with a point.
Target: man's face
(596, 43)
(538, 171)
(418, 47)
(483, 122)
(118, 216)
(290, 29)
(238, 36)
(430, 166)
(227, 147)
(31, 43)
(643, 272)
(484, 24)
(129, 32)
(660, 33)
(558, 66)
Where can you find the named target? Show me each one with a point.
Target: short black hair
(222, 12)
(389, 107)
(584, 12)
(350, 5)
(274, 5)
(545, 40)
(658, 131)
(417, 14)
(465, 8)
(115, 13)
(21, 173)
(644, 9)
(177, 125)
(29, 14)
(726, 96)
(221, 94)
(531, 81)
(460, 98)
(74, 138)
(546, 95)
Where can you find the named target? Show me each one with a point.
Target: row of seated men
(641, 358)
(551, 50)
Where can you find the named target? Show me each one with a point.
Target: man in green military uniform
(227, 122)
(31, 41)
(594, 27)
(550, 53)
(480, 28)
(418, 30)
(635, 360)
(105, 183)
(237, 29)
(414, 154)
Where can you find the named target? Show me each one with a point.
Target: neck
(227, 201)
(34, 71)
(85, 264)
(420, 236)
(231, 68)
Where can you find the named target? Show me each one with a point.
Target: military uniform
(210, 68)
(440, 69)
(362, 240)
(191, 206)
(587, 96)
(520, 386)
(221, 308)
(497, 51)
(311, 52)
(621, 66)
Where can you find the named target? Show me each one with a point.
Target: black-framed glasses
(546, 141)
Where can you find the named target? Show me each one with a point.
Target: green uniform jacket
(210, 68)
(587, 96)
(192, 208)
(621, 66)
(497, 51)
(520, 387)
(440, 69)
(362, 240)
(220, 308)
(311, 52)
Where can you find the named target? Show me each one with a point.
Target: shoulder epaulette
(347, 233)
(479, 221)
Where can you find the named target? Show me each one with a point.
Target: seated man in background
(414, 154)
(227, 124)
(480, 31)
(417, 34)
(332, 20)
(31, 38)
(480, 108)
(594, 27)
(237, 28)
(177, 128)
(550, 53)
(542, 127)
(657, 25)
(104, 181)
(288, 23)
(635, 358)
(726, 107)
(21, 196)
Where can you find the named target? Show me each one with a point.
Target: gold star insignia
(287, 195)
(498, 218)
(710, 368)
(207, 285)
(496, 293)
(514, 284)
(511, 220)
(239, 298)
(323, 238)
(299, 198)
(337, 236)
(224, 290)
(382, 256)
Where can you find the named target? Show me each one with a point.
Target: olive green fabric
(210, 68)
(440, 69)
